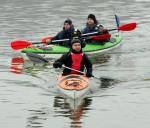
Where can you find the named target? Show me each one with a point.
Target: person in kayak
(92, 25)
(74, 59)
(68, 32)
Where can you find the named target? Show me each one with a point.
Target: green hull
(57, 49)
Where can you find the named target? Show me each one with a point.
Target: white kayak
(73, 85)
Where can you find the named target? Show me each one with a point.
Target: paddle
(125, 27)
(78, 71)
(40, 59)
(117, 19)
(19, 44)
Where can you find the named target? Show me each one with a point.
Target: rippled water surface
(28, 94)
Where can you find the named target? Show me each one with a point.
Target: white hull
(73, 94)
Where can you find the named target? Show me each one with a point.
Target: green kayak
(56, 51)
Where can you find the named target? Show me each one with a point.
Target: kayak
(73, 85)
(55, 51)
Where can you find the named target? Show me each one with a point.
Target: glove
(105, 31)
(77, 33)
(88, 74)
(57, 65)
(83, 44)
(48, 41)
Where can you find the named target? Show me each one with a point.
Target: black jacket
(95, 28)
(65, 34)
(67, 61)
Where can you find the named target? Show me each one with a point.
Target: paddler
(75, 59)
(92, 25)
(68, 32)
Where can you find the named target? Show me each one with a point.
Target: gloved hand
(83, 44)
(48, 41)
(57, 65)
(88, 74)
(77, 33)
(105, 31)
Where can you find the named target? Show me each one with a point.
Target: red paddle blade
(101, 37)
(46, 38)
(17, 61)
(19, 44)
(17, 65)
(127, 27)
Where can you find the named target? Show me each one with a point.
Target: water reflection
(36, 119)
(100, 58)
(74, 109)
(17, 65)
(108, 82)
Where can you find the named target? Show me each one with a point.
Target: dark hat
(92, 16)
(75, 40)
(68, 21)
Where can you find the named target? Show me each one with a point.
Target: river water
(28, 96)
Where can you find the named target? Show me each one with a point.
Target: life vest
(76, 62)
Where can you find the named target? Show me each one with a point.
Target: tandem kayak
(55, 51)
(73, 85)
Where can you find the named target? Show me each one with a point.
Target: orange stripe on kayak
(71, 82)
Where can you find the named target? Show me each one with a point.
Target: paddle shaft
(53, 41)
(78, 71)
(112, 29)
(82, 36)
(92, 33)
(73, 69)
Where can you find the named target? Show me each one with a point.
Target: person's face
(66, 26)
(90, 21)
(76, 47)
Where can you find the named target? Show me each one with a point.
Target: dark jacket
(67, 61)
(95, 28)
(65, 34)
(90, 29)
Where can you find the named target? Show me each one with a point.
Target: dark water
(30, 99)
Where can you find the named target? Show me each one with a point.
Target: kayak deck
(73, 86)
(73, 82)
(57, 49)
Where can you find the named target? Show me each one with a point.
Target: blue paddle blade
(117, 20)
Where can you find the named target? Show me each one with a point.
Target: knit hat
(75, 40)
(92, 16)
(68, 21)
